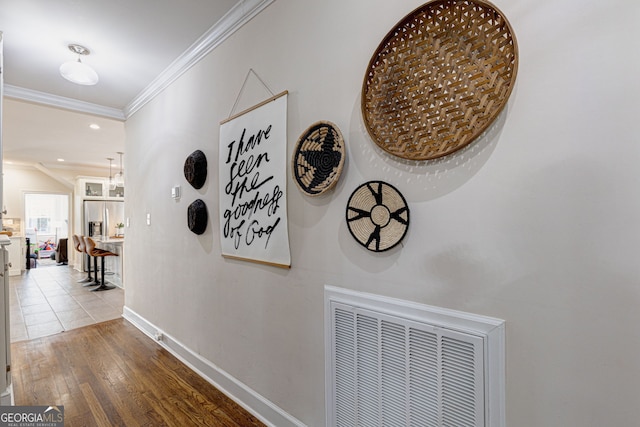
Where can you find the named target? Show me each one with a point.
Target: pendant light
(119, 178)
(112, 183)
(77, 72)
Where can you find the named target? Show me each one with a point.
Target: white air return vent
(397, 363)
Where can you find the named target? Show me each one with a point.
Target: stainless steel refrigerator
(100, 219)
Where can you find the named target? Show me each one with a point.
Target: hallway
(48, 300)
(109, 373)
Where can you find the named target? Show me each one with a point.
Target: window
(46, 219)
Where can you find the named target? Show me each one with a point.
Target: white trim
(240, 14)
(256, 404)
(457, 320)
(62, 102)
(492, 329)
(233, 20)
(7, 398)
(45, 170)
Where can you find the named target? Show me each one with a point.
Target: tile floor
(48, 300)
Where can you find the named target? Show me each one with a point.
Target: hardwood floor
(111, 374)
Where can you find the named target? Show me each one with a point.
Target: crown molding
(42, 168)
(61, 102)
(233, 20)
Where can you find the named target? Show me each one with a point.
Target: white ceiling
(137, 48)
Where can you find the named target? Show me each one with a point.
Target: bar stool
(78, 243)
(90, 248)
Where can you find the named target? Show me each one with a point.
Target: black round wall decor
(195, 169)
(318, 158)
(377, 216)
(197, 216)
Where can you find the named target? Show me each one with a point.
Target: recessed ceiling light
(61, 160)
(94, 126)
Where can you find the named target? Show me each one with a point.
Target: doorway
(46, 223)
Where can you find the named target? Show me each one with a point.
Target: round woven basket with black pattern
(377, 216)
(318, 158)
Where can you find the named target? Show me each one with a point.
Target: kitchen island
(113, 264)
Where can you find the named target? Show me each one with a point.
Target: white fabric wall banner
(253, 184)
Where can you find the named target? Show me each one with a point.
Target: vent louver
(387, 370)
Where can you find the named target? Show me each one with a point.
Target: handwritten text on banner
(253, 167)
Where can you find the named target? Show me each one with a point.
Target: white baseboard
(257, 405)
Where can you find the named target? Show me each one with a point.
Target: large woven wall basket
(318, 158)
(377, 216)
(439, 78)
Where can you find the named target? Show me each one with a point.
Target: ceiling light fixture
(119, 178)
(76, 71)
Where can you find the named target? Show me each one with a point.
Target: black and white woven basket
(318, 158)
(377, 216)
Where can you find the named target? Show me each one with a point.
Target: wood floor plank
(101, 419)
(112, 374)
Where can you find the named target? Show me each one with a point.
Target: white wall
(537, 223)
(19, 180)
